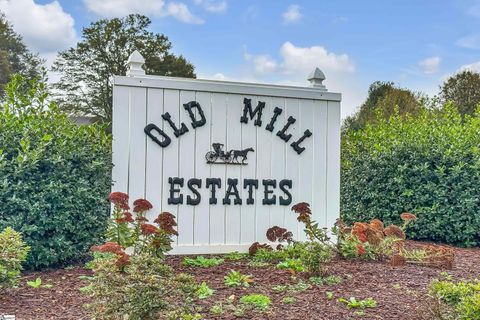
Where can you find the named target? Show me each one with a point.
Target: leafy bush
(54, 176)
(13, 252)
(428, 165)
(139, 285)
(146, 289)
(454, 300)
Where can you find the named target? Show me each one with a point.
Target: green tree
(15, 56)
(384, 98)
(87, 70)
(463, 89)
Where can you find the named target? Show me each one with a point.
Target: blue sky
(416, 44)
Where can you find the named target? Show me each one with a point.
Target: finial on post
(316, 78)
(134, 64)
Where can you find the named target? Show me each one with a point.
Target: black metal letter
(232, 184)
(295, 145)
(183, 128)
(250, 183)
(213, 182)
(248, 109)
(282, 185)
(194, 104)
(198, 183)
(148, 131)
(266, 192)
(276, 112)
(285, 137)
(173, 182)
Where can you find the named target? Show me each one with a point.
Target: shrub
(454, 300)
(147, 289)
(54, 176)
(13, 252)
(429, 165)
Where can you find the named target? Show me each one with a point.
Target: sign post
(228, 159)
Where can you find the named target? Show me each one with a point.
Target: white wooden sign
(227, 159)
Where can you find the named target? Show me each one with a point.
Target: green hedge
(428, 165)
(54, 176)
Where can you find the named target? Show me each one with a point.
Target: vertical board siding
(186, 170)
(277, 159)
(120, 132)
(263, 154)
(249, 139)
(170, 154)
(319, 201)
(203, 144)
(136, 164)
(154, 174)
(142, 168)
(333, 163)
(292, 163)
(218, 125)
(234, 142)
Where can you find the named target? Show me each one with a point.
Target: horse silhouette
(240, 153)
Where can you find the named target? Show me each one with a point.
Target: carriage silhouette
(218, 155)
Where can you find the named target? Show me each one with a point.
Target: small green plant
(289, 300)
(459, 300)
(204, 291)
(235, 256)
(258, 302)
(292, 288)
(13, 252)
(329, 295)
(37, 283)
(269, 255)
(353, 303)
(217, 309)
(293, 265)
(258, 264)
(329, 281)
(236, 279)
(202, 262)
(397, 286)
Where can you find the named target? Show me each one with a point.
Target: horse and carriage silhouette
(229, 157)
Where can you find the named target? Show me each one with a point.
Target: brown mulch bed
(399, 291)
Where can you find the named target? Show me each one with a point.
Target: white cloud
(430, 65)
(295, 64)
(475, 67)
(469, 42)
(155, 8)
(180, 11)
(45, 28)
(212, 6)
(307, 58)
(292, 14)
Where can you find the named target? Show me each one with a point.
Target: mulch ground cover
(400, 292)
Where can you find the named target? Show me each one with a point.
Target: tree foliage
(87, 70)
(15, 56)
(382, 99)
(428, 165)
(463, 89)
(55, 176)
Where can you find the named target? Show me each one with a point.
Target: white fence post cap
(316, 78)
(134, 64)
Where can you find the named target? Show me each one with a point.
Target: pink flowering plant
(128, 229)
